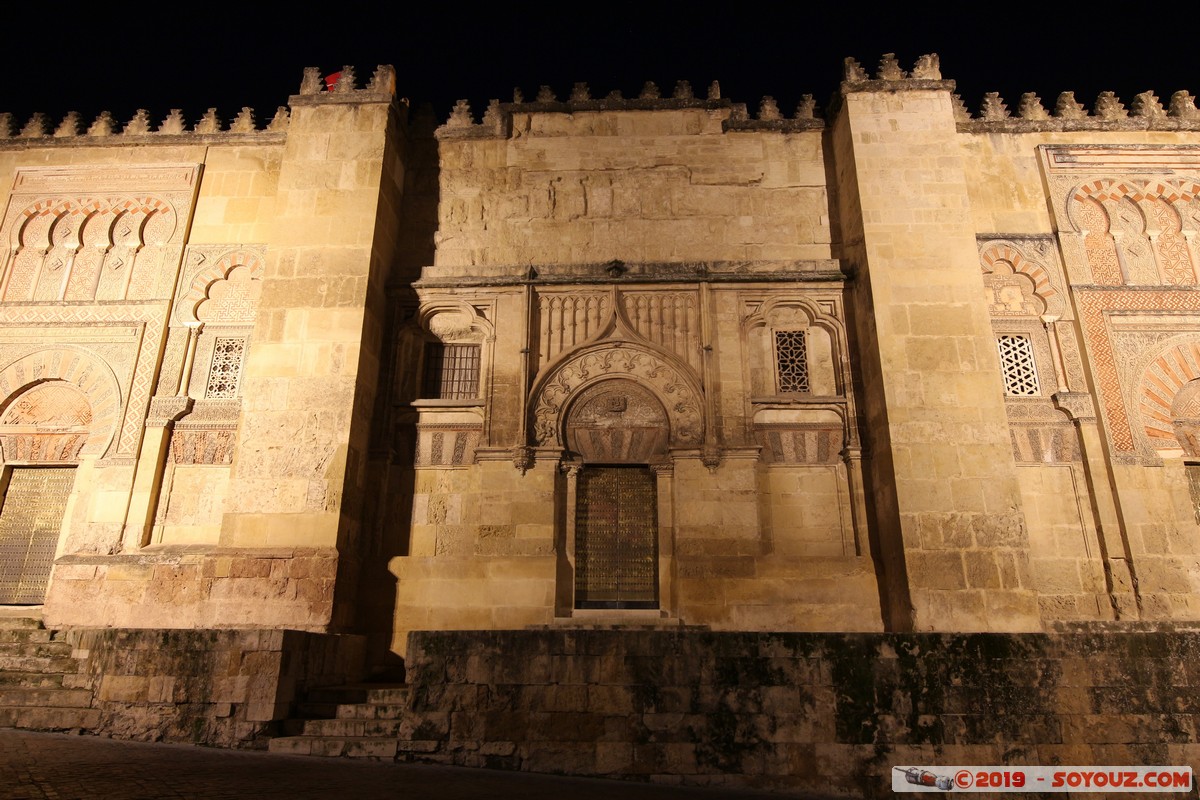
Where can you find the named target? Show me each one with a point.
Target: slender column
(189, 358)
(852, 457)
(1060, 370)
(566, 576)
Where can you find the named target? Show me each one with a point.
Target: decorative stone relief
(1045, 444)
(677, 390)
(220, 284)
(784, 443)
(219, 290)
(202, 446)
(1019, 282)
(206, 435)
(568, 320)
(88, 233)
(1185, 414)
(1137, 231)
(670, 320)
(1172, 368)
(49, 422)
(1068, 345)
(617, 422)
(59, 402)
(446, 444)
(1120, 352)
(795, 346)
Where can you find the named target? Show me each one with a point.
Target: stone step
(389, 695)
(337, 695)
(36, 649)
(370, 711)
(20, 623)
(333, 746)
(49, 719)
(21, 663)
(48, 697)
(8, 635)
(352, 727)
(30, 680)
(311, 710)
(353, 693)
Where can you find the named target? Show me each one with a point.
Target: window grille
(451, 371)
(1016, 364)
(791, 361)
(225, 373)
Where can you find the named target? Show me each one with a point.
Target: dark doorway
(616, 538)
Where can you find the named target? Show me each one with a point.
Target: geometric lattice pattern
(53, 404)
(232, 300)
(451, 371)
(29, 525)
(226, 369)
(1016, 364)
(791, 361)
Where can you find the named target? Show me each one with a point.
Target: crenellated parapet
(926, 73)
(143, 128)
(1145, 112)
(497, 118)
(39, 130)
(343, 86)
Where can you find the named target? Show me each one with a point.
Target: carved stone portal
(672, 386)
(617, 422)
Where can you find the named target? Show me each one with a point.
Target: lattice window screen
(1017, 366)
(225, 373)
(451, 371)
(791, 361)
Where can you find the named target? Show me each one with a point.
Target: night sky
(234, 56)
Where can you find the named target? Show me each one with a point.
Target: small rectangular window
(451, 371)
(791, 362)
(1016, 364)
(225, 372)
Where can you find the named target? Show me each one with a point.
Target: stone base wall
(772, 592)
(799, 711)
(195, 586)
(216, 687)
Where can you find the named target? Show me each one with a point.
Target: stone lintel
(623, 272)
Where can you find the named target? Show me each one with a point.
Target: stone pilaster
(949, 524)
(311, 371)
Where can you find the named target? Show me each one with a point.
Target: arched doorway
(616, 429)
(43, 431)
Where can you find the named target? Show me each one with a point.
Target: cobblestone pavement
(34, 766)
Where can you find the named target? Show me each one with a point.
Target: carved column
(852, 457)
(565, 592)
(189, 357)
(1060, 371)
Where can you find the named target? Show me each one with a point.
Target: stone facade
(650, 361)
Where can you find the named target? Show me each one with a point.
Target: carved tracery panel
(95, 233)
(678, 391)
